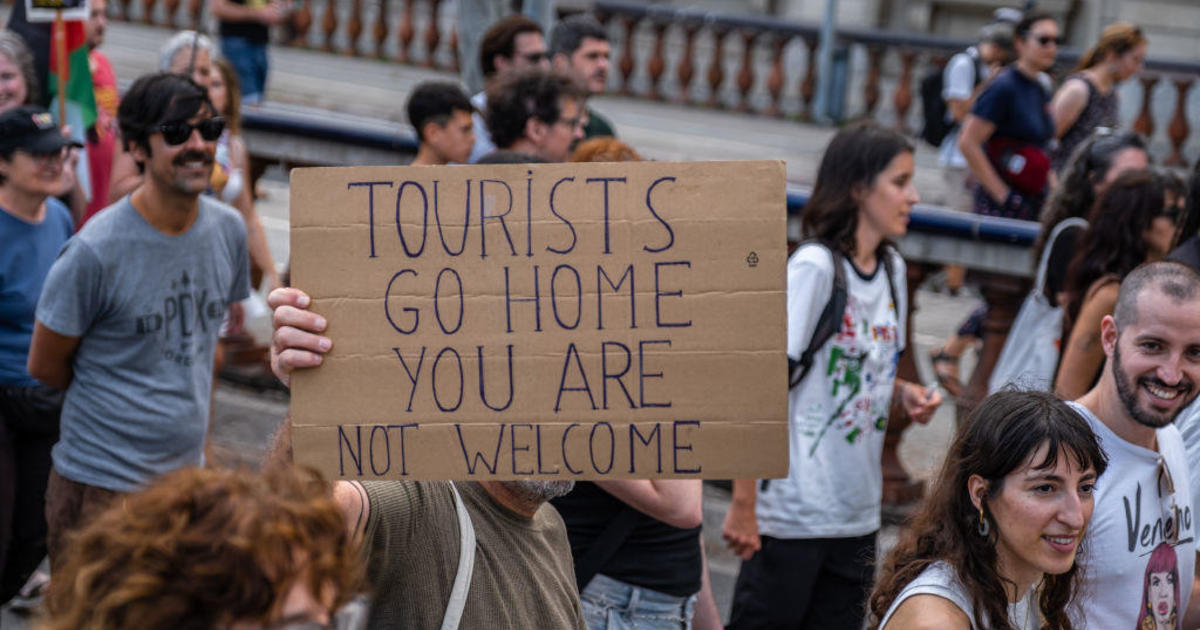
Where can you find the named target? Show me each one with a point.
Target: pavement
(246, 418)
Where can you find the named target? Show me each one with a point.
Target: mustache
(193, 156)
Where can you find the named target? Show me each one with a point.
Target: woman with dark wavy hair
(204, 548)
(813, 563)
(1095, 164)
(1129, 225)
(995, 543)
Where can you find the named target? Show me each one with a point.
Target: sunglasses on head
(178, 132)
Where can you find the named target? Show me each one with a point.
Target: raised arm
(675, 502)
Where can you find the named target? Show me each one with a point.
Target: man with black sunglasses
(1145, 500)
(129, 317)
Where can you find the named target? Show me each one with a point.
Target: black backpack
(933, 107)
(830, 320)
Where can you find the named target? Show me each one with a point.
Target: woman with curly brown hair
(205, 548)
(995, 543)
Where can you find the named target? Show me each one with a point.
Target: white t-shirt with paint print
(1132, 518)
(838, 413)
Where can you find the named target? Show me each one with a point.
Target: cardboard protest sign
(544, 321)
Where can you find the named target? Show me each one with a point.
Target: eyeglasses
(178, 132)
(1046, 40)
(535, 57)
(574, 123)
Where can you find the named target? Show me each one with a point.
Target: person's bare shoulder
(928, 612)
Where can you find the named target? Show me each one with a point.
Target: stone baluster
(380, 29)
(626, 64)
(405, 33)
(194, 10)
(871, 86)
(1003, 295)
(716, 71)
(433, 35)
(354, 27)
(302, 20)
(1144, 124)
(687, 68)
(172, 7)
(329, 24)
(1178, 130)
(808, 86)
(657, 64)
(776, 78)
(148, 11)
(900, 489)
(904, 92)
(745, 76)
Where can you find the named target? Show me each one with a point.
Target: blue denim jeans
(249, 61)
(610, 604)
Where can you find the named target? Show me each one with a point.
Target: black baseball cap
(31, 129)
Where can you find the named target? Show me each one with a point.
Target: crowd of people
(1065, 506)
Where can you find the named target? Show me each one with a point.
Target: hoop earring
(984, 527)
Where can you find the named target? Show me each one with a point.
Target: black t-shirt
(256, 32)
(655, 555)
(1187, 253)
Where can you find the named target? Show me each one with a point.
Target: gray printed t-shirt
(147, 308)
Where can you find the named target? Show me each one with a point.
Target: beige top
(523, 576)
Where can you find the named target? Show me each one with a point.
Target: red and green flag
(73, 74)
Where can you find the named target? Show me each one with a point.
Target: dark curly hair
(534, 93)
(1114, 241)
(201, 549)
(1088, 165)
(854, 158)
(1001, 436)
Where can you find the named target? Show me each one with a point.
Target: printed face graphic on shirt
(1160, 591)
(183, 319)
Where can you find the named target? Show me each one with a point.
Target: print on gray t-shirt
(147, 308)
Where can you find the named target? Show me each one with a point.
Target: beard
(539, 491)
(1127, 392)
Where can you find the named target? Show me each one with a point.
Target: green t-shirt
(523, 575)
(598, 126)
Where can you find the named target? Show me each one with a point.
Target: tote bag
(1030, 353)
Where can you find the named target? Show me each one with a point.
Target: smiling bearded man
(1153, 346)
(129, 316)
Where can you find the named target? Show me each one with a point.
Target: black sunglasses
(178, 132)
(1045, 40)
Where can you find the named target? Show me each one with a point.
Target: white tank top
(940, 579)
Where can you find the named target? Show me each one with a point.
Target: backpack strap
(466, 564)
(829, 321)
